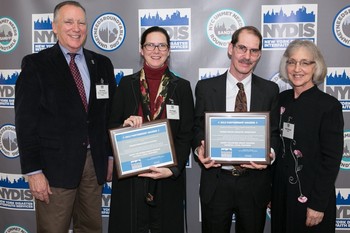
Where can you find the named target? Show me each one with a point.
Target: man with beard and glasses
(243, 190)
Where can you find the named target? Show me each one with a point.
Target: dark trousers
(82, 203)
(233, 195)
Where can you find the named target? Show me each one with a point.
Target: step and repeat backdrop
(200, 31)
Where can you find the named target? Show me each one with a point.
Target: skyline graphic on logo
(342, 200)
(108, 32)
(5, 35)
(43, 24)
(345, 161)
(9, 77)
(120, 73)
(174, 19)
(9, 141)
(300, 15)
(205, 73)
(338, 78)
(107, 188)
(346, 26)
(18, 183)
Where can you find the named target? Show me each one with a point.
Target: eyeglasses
(161, 47)
(241, 49)
(302, 63)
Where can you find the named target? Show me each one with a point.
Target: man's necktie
(240, 106)
(77, 78)
(241, 99)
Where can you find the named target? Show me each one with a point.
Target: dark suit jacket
(211, 97)
(125, 193)
(126, 103)
(51, 123)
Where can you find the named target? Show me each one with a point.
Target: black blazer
(211, 96)
(126, 103)
(51, 123)
(126, 192)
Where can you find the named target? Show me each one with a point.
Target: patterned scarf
(159, 100)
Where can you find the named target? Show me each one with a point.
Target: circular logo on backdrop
(9, 35)
(222, 25)
(282, 84)
(15, 229)
(108, 32)
(345, 162)
(341, 26)
(8, 141)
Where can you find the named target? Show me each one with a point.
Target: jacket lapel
(64, 75)
(257, 95)
(172, 86)
(92, 67)
(135, 85)
(218, 97)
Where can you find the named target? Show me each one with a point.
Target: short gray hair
(320, 68)
(60, 5)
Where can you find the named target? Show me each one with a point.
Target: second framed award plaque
(137, 149)
(238, 137)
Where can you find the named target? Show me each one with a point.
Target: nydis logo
(8, 80)
(205, 73)
(120, 73)
(8, 141)
(345, 162)
(282, 24)
(43, 36)
(343, 209)
(341, 26)
(337, 84)
(9, 35)
(108, 32)
(106, 199)
(221, 25)
(177, 22)
(15, 193)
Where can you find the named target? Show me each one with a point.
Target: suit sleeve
(274, 120)
(199, 115)
(331, 150)
(27, 115)
(112, 88)
(116, 118)
(184, 135)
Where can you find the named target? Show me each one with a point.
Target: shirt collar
(66, 51)
(233, 81)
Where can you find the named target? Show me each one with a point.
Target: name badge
(102, 91)
(288, 130)
(172, 112)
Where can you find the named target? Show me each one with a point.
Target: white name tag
(173, 112)
(288, 130)
(102, 91)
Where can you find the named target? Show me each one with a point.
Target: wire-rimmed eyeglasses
(302, 63)
(241, 49)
